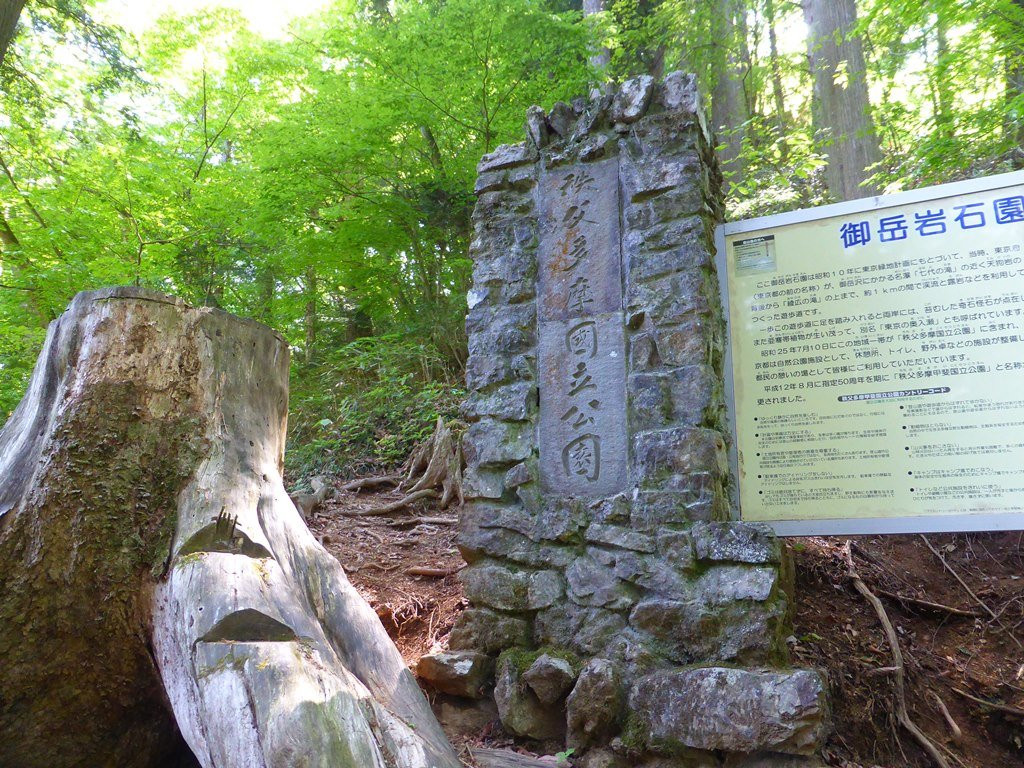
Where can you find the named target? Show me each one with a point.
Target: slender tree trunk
(10, 10)
(943, 82)
(776, 69)
(310, 319)
(728, 98)
(1013, 64)
(840, 107)
(602, 56)
(157, 576)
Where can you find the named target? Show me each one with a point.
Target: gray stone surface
(734, 710)
(521, 712)
(459, 673)
(594, 708)
(632, 99)
(478, 629)
(510, 589)
(736, 542)
(550, 678)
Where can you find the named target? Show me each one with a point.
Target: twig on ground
(970, 592)
(929, 604)
(991, 704)
(437, 573)
(897, 656)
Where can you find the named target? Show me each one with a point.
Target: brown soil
(835, 629)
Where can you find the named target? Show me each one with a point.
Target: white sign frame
(945, 523)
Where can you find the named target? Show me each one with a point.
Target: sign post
(876, 362)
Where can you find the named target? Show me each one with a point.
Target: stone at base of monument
(597, 520)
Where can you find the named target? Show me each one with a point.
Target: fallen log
(154, 572)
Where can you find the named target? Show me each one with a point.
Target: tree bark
(155, 572)
(728, 98)
(840, 108)
(10, 10)
(601, 56)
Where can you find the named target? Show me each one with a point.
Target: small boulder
(550, 678)
(595, 704)
(521, 712)
(733, 710)
(460, 673)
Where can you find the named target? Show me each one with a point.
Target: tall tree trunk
(840, 108)
(602, 56)
(776, 69)
(310, 319)
(10, 10)
(156, 572)
(943, 82)
(1013, 63)
(728, 98)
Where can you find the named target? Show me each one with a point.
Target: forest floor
(954, 651)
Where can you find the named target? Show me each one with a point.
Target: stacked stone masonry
(597, 525)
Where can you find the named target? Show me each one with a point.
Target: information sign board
(876, 361)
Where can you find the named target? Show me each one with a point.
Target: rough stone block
(521, 712)
(485, 319)
(651, 572)
(480, 483)
(677, 548)
(653, 509)
(726, 583)
(617, 536)
(478, 629)
(511, 590)
(667, 458)
(489, 181)
(507, 156)
(490, 442)
(485, 370)
(678, 92)
(562, 119)
(459, 673)
(632, 99)
(644, 261)
(644, 175)
(594, 708)
(643, 353)
(736, 542)
(477, 541)
(594, 584)
(687, 342)
(670, 299)
(685, 396)
(511, 402)
(688, 630)
(520, 474)
(550, 678)
(733, 710)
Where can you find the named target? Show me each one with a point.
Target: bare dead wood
(436, 573)
(1016, 711)
(970, 592)
(395, 506)
(902, 715)
(421, 520)
(928, 604)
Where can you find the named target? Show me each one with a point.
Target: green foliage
(388, 399)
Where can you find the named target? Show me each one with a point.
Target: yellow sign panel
(877, 360)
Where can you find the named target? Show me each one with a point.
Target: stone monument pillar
(628, 614)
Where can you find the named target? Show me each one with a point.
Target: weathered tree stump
(147, 545)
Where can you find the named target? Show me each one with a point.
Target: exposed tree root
(1005, 708)
(395, 506)
(928, 604)
(370, 482)
(902, 715)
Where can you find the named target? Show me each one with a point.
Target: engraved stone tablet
(583, 445)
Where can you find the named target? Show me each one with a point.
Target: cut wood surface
(148, 538)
